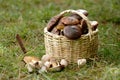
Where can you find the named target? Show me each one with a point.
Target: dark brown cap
(72, 32)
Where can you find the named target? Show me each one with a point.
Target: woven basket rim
(55, 35)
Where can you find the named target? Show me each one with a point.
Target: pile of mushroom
(71, 26)
(47, 64)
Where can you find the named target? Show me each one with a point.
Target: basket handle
(81, 15)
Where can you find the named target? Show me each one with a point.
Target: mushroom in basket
(53, 22)
(69, 20)
(84, 27)
(79, 17)
(94, 25)
(72, 32)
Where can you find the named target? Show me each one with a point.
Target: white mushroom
(51, 63)
(94, 23)
(46, 57)
(47, 64)
(54, 64)
(43, 69)
(63, 62)
(32, 63)
(38, 64)
(29, 67)
(28, 59)
(81, 62)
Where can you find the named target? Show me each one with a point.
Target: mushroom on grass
(32, 63)
(64, 62)
(81, 62)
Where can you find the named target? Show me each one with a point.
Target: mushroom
(38, 64)
(84, 27)
(85, 12)
(46, 57)
(56, 69)
(55, 31)
(60, 26)
(54, 62)
(32, 63)
(64, 62)
(81, 62)
(43, 69)
(69, 20)
(72, 32)
(30, 68)
(35, 65)
(78, 16)
(28, 59)
(55, 66)
(51, 62)
(53, 22)
(47, 64)
(94, 25)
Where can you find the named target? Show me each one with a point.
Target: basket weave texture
(61, 47)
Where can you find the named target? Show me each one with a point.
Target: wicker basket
(61, 47)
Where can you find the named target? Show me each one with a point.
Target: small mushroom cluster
(72, 26)
(48, 64)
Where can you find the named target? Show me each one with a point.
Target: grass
(29, 17)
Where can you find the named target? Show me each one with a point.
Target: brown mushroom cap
(53, 22)
(69, 20)
(76, 16)
(79, 17)
(84, 27)
(72, 32)
(83, 11)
